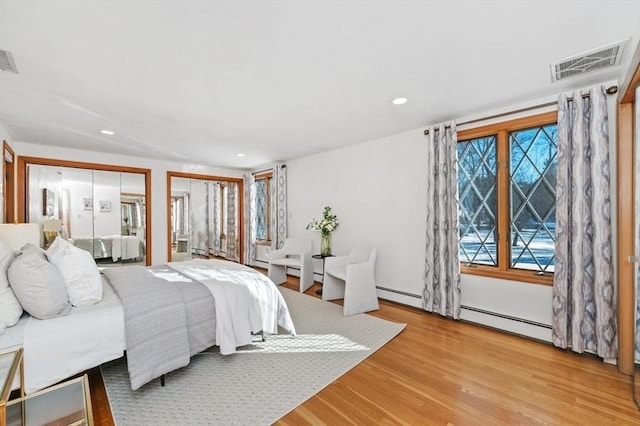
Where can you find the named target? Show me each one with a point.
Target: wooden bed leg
(162, 380)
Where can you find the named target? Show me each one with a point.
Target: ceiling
(202, 82)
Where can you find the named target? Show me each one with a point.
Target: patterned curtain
(216, 214)
(232, 231)
(249, 219)
(278, 206)
(584, 311)
(441, 292)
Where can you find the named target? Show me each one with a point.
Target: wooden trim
(239, 196)
(169, 224)
(263, 175)
(502, 188)
(9, 176)
(24, 162)
(509, 126)
(625, 222)
(203, 177)
(625, 195)
(501, 132)
(520, 275)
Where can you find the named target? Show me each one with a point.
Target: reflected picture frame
(105, 206)
(48, 202)
(88, 203)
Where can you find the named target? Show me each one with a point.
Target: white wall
(159, 220)
(377, 190)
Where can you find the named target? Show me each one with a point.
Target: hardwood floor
(444, 372)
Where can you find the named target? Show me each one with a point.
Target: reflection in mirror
(101, 211)
(205, 217)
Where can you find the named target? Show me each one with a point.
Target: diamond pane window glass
(477, 209)
(261, 209)
(532, 189)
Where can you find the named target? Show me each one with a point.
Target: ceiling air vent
(6, 61)
(593, 60)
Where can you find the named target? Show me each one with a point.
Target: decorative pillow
(38, 286)
(10, 309)
(32, 248)
(79, 270)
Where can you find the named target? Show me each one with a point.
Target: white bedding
(125, 247)
(246, 302)
(57, 348)
(92, 335)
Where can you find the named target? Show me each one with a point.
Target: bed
(114, 247)
(161, 315)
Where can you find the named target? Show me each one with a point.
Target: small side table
(323, 257)
(10, 364)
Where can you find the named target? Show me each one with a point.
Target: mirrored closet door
(205, 216)
(100, 209)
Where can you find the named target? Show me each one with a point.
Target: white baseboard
(403, 298)
(516, 326)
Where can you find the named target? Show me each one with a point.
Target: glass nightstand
(65, 404)
(10, 364)
(68, 403)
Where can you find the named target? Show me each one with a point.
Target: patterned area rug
(262, 382)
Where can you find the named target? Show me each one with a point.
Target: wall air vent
(6, 61)
(593, 60)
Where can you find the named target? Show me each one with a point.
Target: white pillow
(79, 270)
(10, 308)
(38, 286)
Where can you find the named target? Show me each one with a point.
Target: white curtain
(278, 206)
(441, 292)
(216, 231)
(250, 219)
(199, 218)
(232, 230)
(584, 311)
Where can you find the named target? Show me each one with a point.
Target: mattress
(57, 348)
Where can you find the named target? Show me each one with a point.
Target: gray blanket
(166, 322)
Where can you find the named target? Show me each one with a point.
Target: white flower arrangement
(327, 225)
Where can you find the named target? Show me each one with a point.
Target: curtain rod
(268, 170)
(610, 91)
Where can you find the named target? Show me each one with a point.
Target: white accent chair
(294, 253)
(352, 278)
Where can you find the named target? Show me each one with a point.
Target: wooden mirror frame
(9, 168)
(24, 162)
(240, 183)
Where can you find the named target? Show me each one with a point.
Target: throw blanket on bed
(246, 301)
(166, 321)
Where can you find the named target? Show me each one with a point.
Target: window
(263, 207)
(507, 188)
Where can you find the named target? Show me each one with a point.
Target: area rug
(263, 381)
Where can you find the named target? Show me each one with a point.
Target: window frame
(268, 178)
(501, 131)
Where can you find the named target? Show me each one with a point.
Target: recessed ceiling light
(399, 101)
(240, 155)
(107, 132)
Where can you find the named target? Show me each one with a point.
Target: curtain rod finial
(612, 90)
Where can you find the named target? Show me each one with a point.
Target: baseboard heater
(507, 317)
(404, 293)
